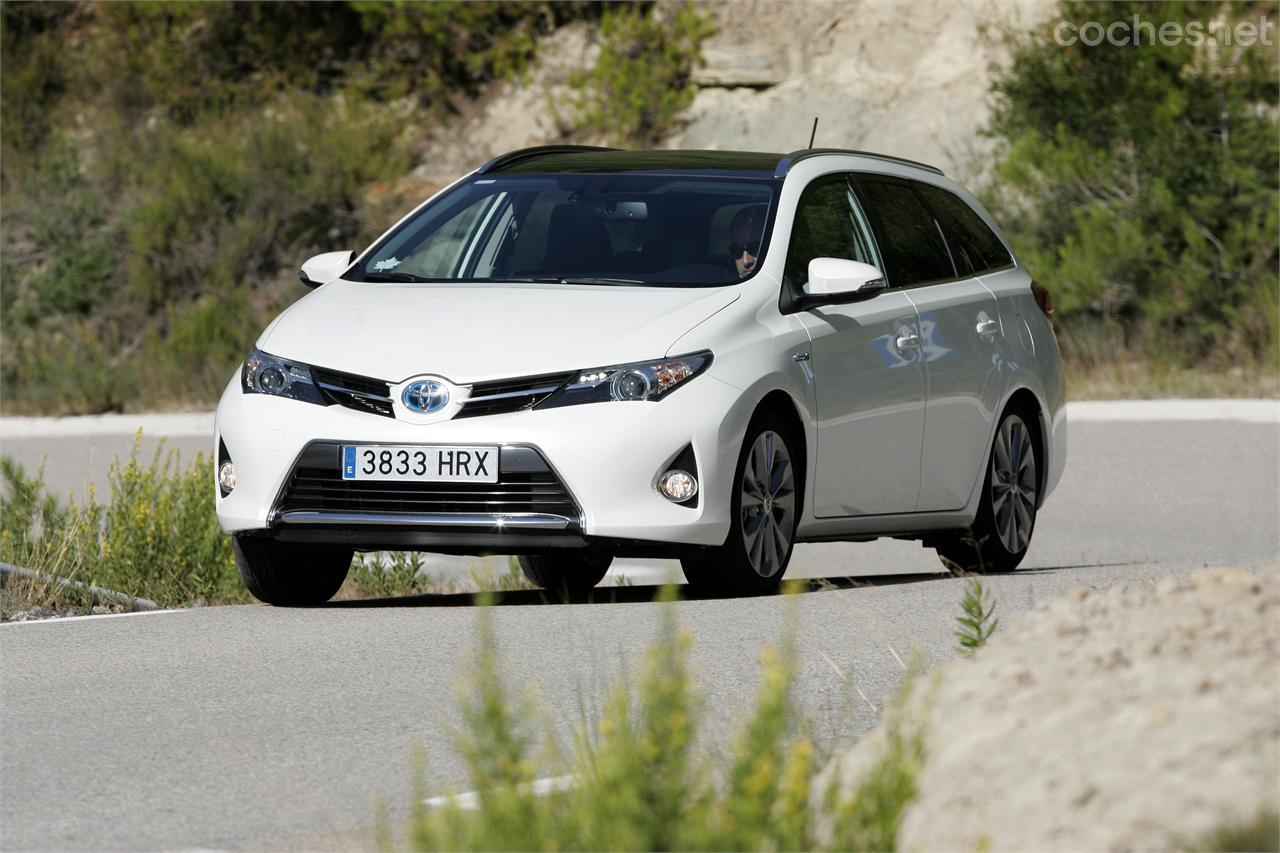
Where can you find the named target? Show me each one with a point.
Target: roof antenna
(815, 131)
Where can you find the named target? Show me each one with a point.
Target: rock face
(515, 114)
(894, 76)
(1134, 718)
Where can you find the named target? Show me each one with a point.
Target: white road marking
(57, 620)
(1244, 411)
(196, 424)
(470, 800)
(176, 425)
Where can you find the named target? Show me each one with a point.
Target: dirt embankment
(1137, 718)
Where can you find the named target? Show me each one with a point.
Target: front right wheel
(567, 572)
(1001, 531)
(290, 574)
(764, 511)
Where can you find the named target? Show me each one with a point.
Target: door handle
(908, 341)
(987, 327)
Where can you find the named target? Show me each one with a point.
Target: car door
(971, 312)
(868, 382)
(959, 327)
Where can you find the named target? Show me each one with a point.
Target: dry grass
(1144, 380)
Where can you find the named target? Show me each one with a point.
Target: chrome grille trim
(546, 389)
(329, 387)
(502, 396)
(431, 519)
(354, 392)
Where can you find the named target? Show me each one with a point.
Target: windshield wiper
(594, 280)
(546, 279)
(398, 276)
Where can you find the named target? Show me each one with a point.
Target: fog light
(227, 477)
(677, 486)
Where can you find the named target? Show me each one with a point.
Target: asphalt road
(251, 726)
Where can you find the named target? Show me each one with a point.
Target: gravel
(1137, 717)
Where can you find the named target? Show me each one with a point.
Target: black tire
(291, 575)
(731, 567)
(566, 572)
(990, 546)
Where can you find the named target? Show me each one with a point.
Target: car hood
(481, 331)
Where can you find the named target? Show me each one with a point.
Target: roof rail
(785, 164)
(502, 161)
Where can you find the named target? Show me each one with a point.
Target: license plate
(419, 464)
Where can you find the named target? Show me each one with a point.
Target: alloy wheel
(1013, 484)
(768, 503)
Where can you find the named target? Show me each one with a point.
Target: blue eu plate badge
(349, 462)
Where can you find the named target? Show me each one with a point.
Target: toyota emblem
(425, 396)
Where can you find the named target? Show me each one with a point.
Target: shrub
(155, 537)
(166, 166)
(975, 621)
(636, 779)
(643, 76)
(1140, 184)
(1260, 834)
(396, 573)
(160, 537)
(38, 533)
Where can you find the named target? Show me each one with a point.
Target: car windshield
(664, 230)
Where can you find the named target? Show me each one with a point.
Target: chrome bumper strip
(497, 521)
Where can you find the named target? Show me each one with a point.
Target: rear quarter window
(974, 246)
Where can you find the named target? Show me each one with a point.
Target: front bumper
(607, 456)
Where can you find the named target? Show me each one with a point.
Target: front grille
(526, 484)
(354, 392)
(511, 395)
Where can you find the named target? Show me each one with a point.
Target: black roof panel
(610, 160)
(583, 159)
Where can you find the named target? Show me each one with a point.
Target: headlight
(644, 380)
(266, 374)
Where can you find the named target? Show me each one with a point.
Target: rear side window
(974, 246)
(905, 231)
(828, 224)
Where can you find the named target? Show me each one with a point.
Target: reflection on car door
(959, 324)
(866, 366)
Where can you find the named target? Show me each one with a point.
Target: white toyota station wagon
(574, 354)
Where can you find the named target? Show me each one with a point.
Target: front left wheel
(764, 511)
(289, 574)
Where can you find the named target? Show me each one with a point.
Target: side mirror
(836, 281)
(325, 268)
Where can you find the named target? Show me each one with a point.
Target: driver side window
(828, 224)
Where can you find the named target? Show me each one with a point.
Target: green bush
(1140, 184)
(155, 537)
(643, 76)
(638, 779)
(166, 166)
